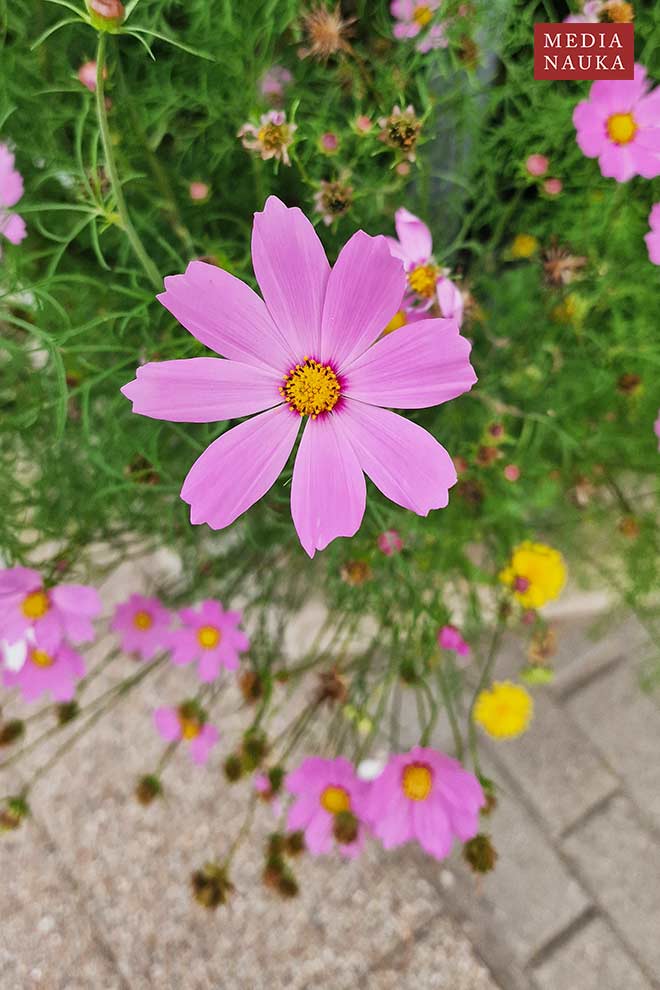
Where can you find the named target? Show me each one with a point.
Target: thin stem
(486, 671)
(113, 175)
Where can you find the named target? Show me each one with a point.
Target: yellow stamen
(190, 727)
(621, 127)
(423, 15)
(272, 137)
(311, 388)
(398, 320)
(35, 605)
(41, 659)
(335, 799)
(423, 280)
(417, 782)
(208, 637)
(142, 620)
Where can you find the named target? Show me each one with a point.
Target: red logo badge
(584, 51)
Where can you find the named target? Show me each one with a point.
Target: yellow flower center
(621, 127)
(41, 659)
(208, 637)
(311, 388)
(273, 136)
(142, 620)
(423, 15)
(504, 711)
(524, 245)
(417, 782)
(190, 727)
(398, 320)
(423, 280)
(335, 799)
(35, 605)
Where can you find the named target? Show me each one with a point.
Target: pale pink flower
(271, 137)
(11, 189)
(307, 352)
(329, 143)
(428, 283)
(653, 237)
(187, 723)
(87, 75)
(211, 636)
(449, 638)
(363, 124)
(511, 472)
(198, 191)
(390, 542)
(323, 790)
(435, 37)
(412, 16)
(620, 125)
(143, 624)
(426, 796)
(553, 187)
(273, 84)
(537, 165)
(65, 611)
(590, 13)
(55, 670)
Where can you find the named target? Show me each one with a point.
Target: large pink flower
(306, 354)
(427, 796)
(325, 789)
(143, 624)
(653, 237)
(210, 636)
(620, 125)
(55, 670)
(428, 283)
(11, 189)
(65, 611)
(189, 723)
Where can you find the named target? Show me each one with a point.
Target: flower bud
(253, 750)
(11, 731)
(13, 814)
(275, 845)
(211, 886)
(345, 827)
(251, 686)
(233, 768)
(276, 778)
(148, 789)
(106, 15)
(287, 885)
(480, 854)
(67, 712)
(294, 843)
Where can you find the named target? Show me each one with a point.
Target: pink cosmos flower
(427, 796)
(198, 191)
(653, 237)
(271, 137)
(590, 13)
(412, 16)
(620, 125)
(55, 670)
(324, 789)
(552, 187)
(186, 722)
(11, 189)
(435, 37)
(537, 165)
(656, 428)
(87, 75)
(144, 625)
(427, 282)
(66, 610)
(306, 352)
(390, 542)
(273, 84)
(211, 636)
(450, 638)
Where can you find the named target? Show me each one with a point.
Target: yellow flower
(524, 246)
(536, 573)
(505, 711)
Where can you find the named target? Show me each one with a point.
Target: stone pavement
(95, 888)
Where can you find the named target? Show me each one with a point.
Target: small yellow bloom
(524, 246)
(505, 710)
(536, 573)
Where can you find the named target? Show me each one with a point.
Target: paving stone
(624, 724)
(555, 765)
(591, 960)
(580, 663)
(620, 862)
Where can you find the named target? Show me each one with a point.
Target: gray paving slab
(592, 959)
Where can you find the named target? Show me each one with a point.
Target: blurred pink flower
(329, 143)
(87, 75)
(553, 187)
(11, 189)
(590, 13)
(620, 125)
(426, 796)
(273, 84)
(271, 137)
(323, 790)
(511, 472)
(363, 124)
(211, 636)
(390, 542)
(412, 16)
(307, 352)
(653, 237)
(144, 625)
(656, 428)
(55, 670)
(435, 37)
(537, 165)
(65, 611)
(427, 282)
(198, 191)
(449, 638)
(187, 723)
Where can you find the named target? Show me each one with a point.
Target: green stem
(486, 671)
(111, 166)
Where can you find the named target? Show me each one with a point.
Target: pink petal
(404, 461)
(365, 290)
(209, 666)
(201, 746)
(11, 186)
(396, 827)
(292, 271)
(301, 811)
(78, 598)
(398, 251)
(328, 491)
(168, 724)
(239, 467)
(432, 827)
(450, 300)
(13, 227)
(202, 390)
(318, 834)
(48, 631)
(616, 162)
(18, 581)
(403, 9)
(414, 236)
(226, 315)
(424, 365)
(653, 245)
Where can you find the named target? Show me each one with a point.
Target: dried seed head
(11, 731)
(331, 687)
(211, 886)
(326, 32)
(148, 789)
(480, 854)
(294, 843)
